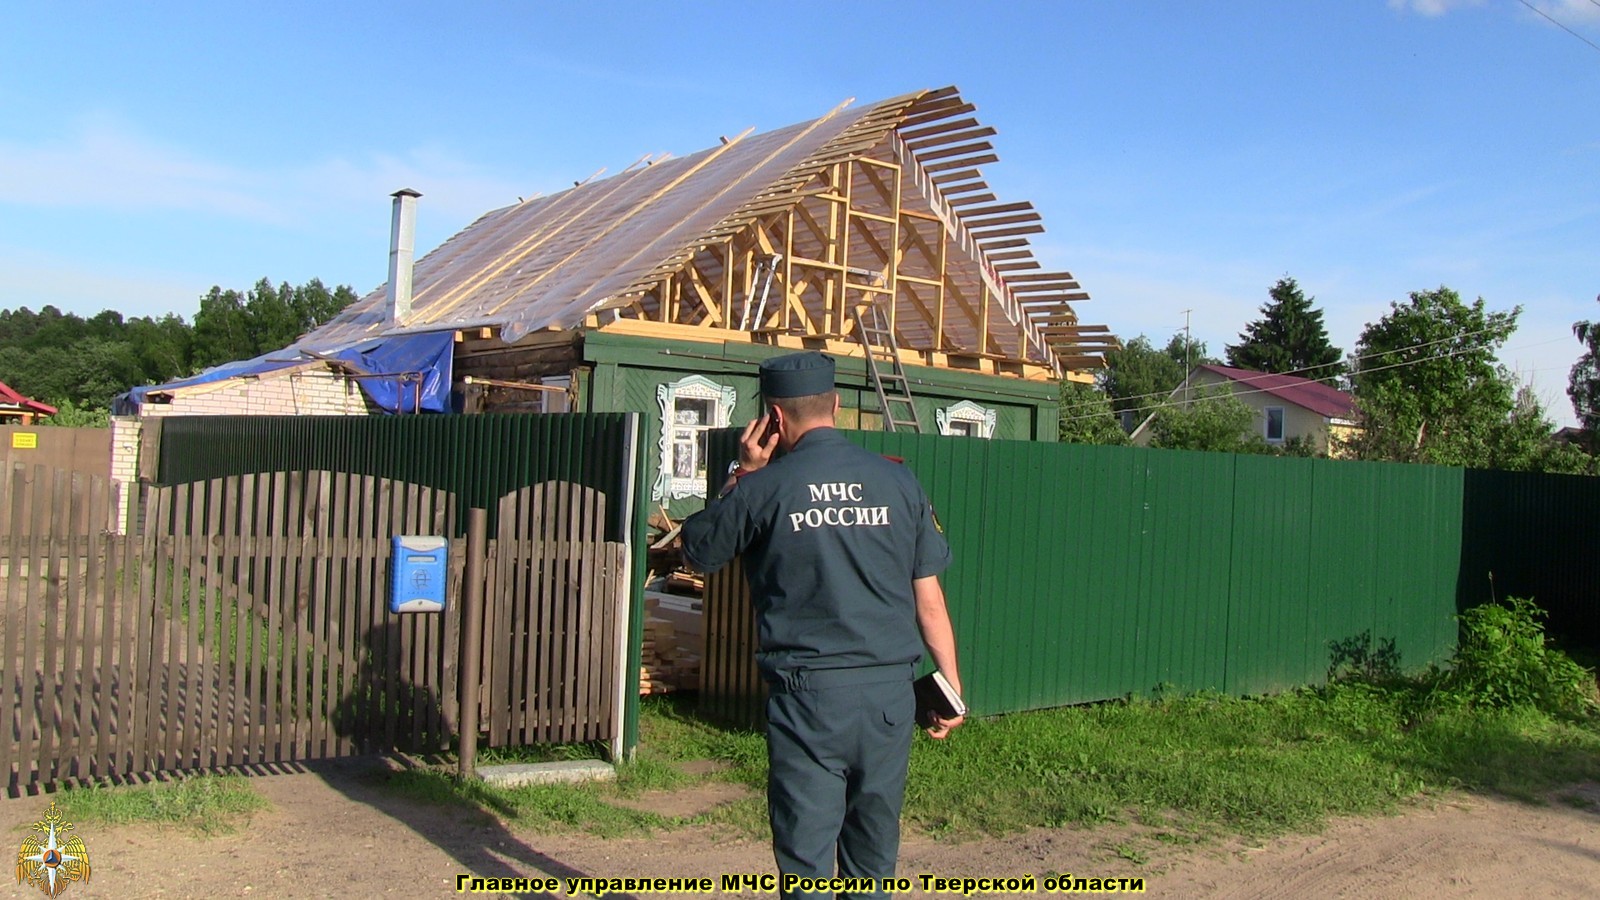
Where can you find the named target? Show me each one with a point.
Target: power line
(1235, 392)
(1559, 25)
(1308, 369)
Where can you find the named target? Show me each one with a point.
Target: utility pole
(1187, 343)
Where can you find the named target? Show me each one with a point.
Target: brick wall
(299, 393)
(302, 392)
(125, 435)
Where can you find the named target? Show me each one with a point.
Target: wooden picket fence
(247, 624)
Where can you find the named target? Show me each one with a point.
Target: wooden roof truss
(893, 212)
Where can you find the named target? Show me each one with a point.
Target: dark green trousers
(837, 748)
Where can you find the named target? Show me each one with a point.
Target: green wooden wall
(626, 372)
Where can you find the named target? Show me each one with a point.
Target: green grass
(1208, 764)
(207, 804)
(670, 735)
(1185, 768)
(543, 808)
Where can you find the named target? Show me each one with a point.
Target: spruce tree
(1289, 337)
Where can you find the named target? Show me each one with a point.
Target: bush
(71, 415)
(1504, 661)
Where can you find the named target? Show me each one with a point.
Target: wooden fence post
(472, 637)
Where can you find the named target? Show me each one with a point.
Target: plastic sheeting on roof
(399, 373)
(392, 368)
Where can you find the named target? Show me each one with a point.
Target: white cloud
(1566, 12)
(86, 288)
(102, 165)
(1432, 8)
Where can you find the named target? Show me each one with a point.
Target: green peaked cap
(796, 375)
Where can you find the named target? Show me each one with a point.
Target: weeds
(208, 804)
(1504, 661)
(1503, 718)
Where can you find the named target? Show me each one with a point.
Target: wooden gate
(247, 624)
(553, 620)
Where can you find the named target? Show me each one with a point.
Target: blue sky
(1184, 155)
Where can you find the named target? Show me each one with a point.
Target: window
(690, 408)
(552, 402)
(1274, 424)
(858, 420)
(966, 419)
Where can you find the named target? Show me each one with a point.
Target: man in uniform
(842, 553)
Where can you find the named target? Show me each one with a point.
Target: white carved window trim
(978, 421)
(668, 486)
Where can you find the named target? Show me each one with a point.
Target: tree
(71, 415)
(1429, 387)
(99, 370)
(1523, 443)
(59, 357)
(1211, 419)
(1288, 338)
(164, 346)
(220, 332)
(42, 374)
(1583, 384)
(1087, 417)
(1139, 377)
(1188, 352)
(232, 326)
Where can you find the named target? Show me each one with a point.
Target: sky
(1184, 156)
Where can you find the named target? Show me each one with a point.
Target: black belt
(823, 679)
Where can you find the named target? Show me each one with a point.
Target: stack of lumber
(673, 639)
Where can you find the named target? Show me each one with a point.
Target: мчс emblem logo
(50, 858)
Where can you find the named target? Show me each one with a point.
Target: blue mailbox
(417, 574)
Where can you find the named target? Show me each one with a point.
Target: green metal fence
(479, 458)
(1535, 536)
(1084, 573)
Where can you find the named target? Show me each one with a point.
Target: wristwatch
(734, 469)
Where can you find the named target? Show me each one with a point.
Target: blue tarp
(389, 369)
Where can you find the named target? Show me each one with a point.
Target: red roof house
(16, 409)
(1287, 406)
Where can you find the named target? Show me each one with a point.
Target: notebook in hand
(935, 697)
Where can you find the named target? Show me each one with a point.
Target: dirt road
(336, 831)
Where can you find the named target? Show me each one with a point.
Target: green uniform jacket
(832, 536)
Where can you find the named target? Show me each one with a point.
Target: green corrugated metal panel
(1346, 564)
(1422, 547)
(1180, 548)
(1084, 573)
(480, 458)
(1269, 606)
(1538, 535)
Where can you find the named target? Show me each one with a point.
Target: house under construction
(869, 233)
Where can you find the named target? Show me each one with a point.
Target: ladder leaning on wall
(888, 377)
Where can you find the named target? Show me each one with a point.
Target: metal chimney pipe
(402, 248)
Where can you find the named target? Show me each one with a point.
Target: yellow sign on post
(24, 440)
